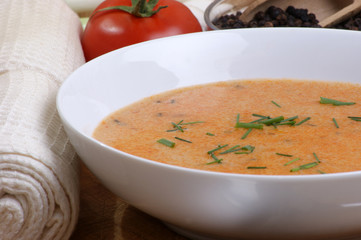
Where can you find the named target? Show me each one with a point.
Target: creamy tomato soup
(273, 127)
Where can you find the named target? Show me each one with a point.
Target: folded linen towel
(39, 190)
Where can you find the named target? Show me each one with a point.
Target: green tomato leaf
(139, 8)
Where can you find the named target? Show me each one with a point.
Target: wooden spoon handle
(342, 14)
(251, 7)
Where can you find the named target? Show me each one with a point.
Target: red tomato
(112, 29)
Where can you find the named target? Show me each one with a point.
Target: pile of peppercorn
(272, 17)
(353, 23)
(277, 17)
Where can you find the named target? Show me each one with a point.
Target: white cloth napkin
(39, 189)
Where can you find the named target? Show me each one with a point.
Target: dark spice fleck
(119, 122)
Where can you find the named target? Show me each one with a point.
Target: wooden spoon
(328, 12)
(342, 14)
(251, 10)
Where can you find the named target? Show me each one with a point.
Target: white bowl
(211, 205)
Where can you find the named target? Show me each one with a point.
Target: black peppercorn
(277, 17)
(268, 24)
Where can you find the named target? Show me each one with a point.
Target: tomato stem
(139, 8)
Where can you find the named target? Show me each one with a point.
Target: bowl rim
(306, 177)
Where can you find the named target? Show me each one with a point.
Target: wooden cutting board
(104, 216)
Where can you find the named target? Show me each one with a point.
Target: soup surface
(273, 127)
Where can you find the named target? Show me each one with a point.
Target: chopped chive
(177, 126)
(290, 119)
(303, 121)
(180, 122)
(253, 167)
(261, 117)
(187, 123)
(248, 125)
(172, 130)
(237, 118)
(285, 155)
(257, 120)
(305, 166)
(210, 134)
(286, 123)
(258, 115)
(275, 104)
(217, 148)
(272, 120)
(216, 160)
(248, 149)
(320, 171)
(232, 149)
(181, 139)
(317, 159)
(166, 142)
(246, 134)
(292, 161)
(358, 119)
(335, 122)
(334, 102)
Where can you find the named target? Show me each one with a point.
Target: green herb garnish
(292, 161)
(253, 167)
(216, 160)
(290, 119)
(217, 148)
(305, 166)
(335, 122)
(210, 134)
(172, 130)
(232, 149)
(285, 155)
(237, 118)
(248, 125)
(181, 139)
(177, 126)
(358, 119)
(195, 122)
(317, 160)
(166, 142)
(303, 121)
(272, 120)
(334, 102)
(259, 115)
(248, 149)
(286, 123)
(275, 104)
(246, 134)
